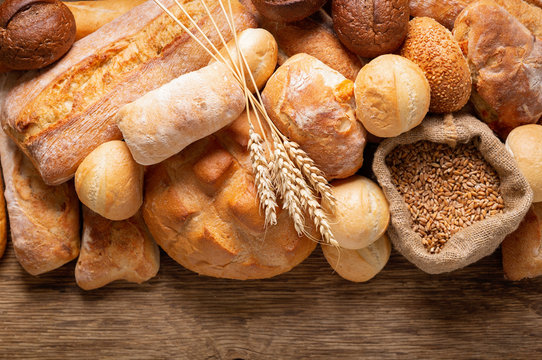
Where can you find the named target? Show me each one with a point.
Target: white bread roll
(110, 182)
(166, 120)
(260, 51)
(392, 95)
(362, 214)
(525, 144)
(359, 265)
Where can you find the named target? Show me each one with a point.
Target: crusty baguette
(166, 120)
(115, 250)
(91, 15)
(60, 115)
(44, 220)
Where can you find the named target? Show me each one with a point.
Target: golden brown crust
(44, 220)
(71, 105)
(114, 250)
(314, 105)
(521, 250)
(529, 15)
(201, 207)
(443, 11)
(432, 47)
(506, 66)
(91, 15)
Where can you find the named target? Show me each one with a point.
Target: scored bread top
(61, 114)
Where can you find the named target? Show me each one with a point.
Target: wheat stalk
(289, 170)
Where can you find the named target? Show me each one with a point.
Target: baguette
(58, 116)
(114, 250)
(92, 15)
(44, 220)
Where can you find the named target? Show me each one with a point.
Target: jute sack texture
(477, 240)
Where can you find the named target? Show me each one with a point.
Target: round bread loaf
(525, 144)
(110, 182)
(392, 95)
(362, 264)
(361, 215)
(260, 51)
(432, 47)
(287, 10)
(371, 28)
(201, 207)
(34, 33)
(313, 105)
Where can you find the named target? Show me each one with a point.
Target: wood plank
(307, 313)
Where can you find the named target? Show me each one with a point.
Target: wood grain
(307, 313)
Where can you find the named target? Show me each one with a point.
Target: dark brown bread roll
(34, 33)
(371, 28)
(287, 10)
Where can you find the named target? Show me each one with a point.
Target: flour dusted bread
(202, 208)
(314, 106)
(60, 115)
(44, 220)
(115, 250)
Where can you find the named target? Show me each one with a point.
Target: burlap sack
(481, 238)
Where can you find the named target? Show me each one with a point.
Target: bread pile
(155, 127)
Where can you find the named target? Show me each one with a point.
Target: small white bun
(362, 213)
(359, 265)
(525, 144)
(260, 51)
(110, 182)
(392, 95)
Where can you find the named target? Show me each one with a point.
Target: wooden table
(307, 313)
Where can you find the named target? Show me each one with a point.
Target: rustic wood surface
(307, 313)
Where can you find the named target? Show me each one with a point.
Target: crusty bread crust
(44, 220)
(60, 115)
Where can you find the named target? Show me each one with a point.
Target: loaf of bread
(57, 117)
(166, 120)
(392, 95)
(115, 250)
(314, 106)
(506, 67)
(362, 264)
(202, 208)
(110, 182)
(90, 15)
(521, 256)
(44, 220)
(362, 214)
(314, 36)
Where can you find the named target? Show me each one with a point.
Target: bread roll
(34, 33)
(525, 144)
(314, 36)
(110, 182)
(361, 215)
(58, 116)
(371, 28)
(114, 250)
(201, 207)
(313, 105)
(521, 257)
(392, 95)
(432, 47)
(44, 220)
(287, 10)
(260, 51)
(504, 58)
(90, 15)
(359, 265)
(166, 120)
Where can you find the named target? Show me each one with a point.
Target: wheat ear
(262, 177)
